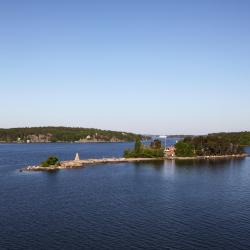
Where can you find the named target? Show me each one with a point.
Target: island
(140, 153)
(77, 163)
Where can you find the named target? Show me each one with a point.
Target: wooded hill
(64, 134)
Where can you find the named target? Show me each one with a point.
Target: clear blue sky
(159, 66)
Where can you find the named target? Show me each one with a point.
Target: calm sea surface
(161, 205)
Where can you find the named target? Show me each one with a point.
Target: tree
(184, 149)
(138, 145)
(143, 151)
(156, 144)
(51, 161)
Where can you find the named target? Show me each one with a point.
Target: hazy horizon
(151, 67)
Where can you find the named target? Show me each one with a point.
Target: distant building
(39, 138)
(170, 151)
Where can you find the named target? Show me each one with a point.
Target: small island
(83, 163)
(214, 146)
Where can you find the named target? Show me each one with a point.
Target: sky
(145, 66)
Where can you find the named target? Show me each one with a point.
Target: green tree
(52, 160)
(138, 145)
(143, 151)
(184, 149)
(156, 144)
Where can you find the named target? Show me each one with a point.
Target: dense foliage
(213, 144)
(51, 161)
(63, 134)
(240, 138)
(184, 149)
(155, 150)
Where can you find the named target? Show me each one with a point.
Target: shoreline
(66, 142)
(207, 157)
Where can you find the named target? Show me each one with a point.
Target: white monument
(77, 157)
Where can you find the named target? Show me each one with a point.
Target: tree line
(212, 144)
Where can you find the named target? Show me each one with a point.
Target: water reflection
(157, 165)
(207, 163)
(173, 168)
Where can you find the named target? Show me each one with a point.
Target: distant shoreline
(64, 134)
(69, 142)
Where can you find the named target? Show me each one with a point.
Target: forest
(212, 144)
(241, 138)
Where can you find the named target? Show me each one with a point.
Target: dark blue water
(161, 205)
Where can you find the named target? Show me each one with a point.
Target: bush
(51, 161)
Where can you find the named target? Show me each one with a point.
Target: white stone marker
(77, 157)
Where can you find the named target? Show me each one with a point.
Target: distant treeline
(178, 136)
(213, 144)
(64, 134)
